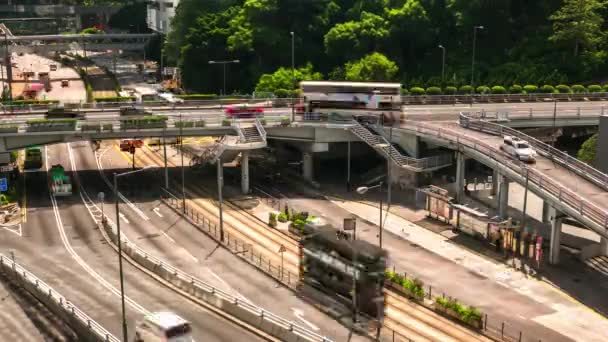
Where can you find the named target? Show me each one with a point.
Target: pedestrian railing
(194, 285)
(244, 250)
(499, 98)
(492, 327)
(56, 302)
(580, 168)
(577, 205)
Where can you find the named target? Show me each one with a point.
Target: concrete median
(86, 328)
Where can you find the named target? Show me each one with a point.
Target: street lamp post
(293, 75)
(223, 63)
(363, 189)
(119, 239)
(442, 63)
(181, 148)
(475, 28)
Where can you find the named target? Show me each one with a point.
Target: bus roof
(351, 84)
(165, 319)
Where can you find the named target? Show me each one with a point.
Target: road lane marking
(300, 315)
(122, 216)
(168, 237)
(120, 195)
(18, 231)
(192, 256)
(157, 211)
(228, 286)
(69, 248)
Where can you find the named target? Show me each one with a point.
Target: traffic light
(132, 149)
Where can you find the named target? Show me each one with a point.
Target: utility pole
(181, 150)
(442, 64)
(475, 28)
(293, 77)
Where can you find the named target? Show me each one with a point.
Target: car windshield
(522, 146)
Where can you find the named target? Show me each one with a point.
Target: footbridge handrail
(56, 302)
(597, 177)
(389, 151)
(575, 203)
(260, 128)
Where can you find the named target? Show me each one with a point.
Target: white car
(518, 149)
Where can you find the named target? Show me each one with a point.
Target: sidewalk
(551, 307)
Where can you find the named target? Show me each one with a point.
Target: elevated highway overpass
(60, 42)
(570, 187)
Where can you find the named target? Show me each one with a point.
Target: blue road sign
(3, 184)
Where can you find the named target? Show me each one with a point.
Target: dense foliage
(588, 151)
(542, 42)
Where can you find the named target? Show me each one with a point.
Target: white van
(163, 327)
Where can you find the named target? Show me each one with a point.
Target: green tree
(282, 78)
(588, 150)
(579, 23)
(353, 39)
(373, 67)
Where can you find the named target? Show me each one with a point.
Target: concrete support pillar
(307, 166)
(603, 246)
(245, 172)
(495, 176)
(503, 197)
(556, 231)
(546, 212)
(460, 183)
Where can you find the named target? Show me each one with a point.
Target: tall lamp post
(122, 286)
(293, 75)
(442, 63)
(362, 190)
(223, 63)
(475, 28)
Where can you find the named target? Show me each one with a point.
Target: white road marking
(71, 251)
(228, 286)
(299, 314)
(168, 237)
(192, 256)
(122, 216)
(157, 211)
(14, 231)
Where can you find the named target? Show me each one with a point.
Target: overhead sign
(3, 184)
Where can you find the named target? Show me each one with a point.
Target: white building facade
(160, 13)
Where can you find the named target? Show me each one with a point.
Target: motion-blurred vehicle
(163, 327)
(244, 111)
(63, 113)
(132, 110)
(128, 144)
(60, 183)
(518, 149)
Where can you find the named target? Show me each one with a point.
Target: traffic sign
(3, 184)
(282, 249)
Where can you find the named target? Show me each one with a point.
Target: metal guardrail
(260, 129)
(563, 195)
(498, 98)
(380, 143)
(184, 278)
(580, 168)
(57, 299)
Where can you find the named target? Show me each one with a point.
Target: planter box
(478, 324)
(403, 291)
(9, 129)
(143, 125)
(51, 127)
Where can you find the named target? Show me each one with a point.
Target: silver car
(518, 149)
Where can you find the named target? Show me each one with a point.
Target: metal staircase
(380, 144)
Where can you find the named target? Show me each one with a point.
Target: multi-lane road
(61, 244)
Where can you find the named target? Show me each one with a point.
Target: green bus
(33, 158)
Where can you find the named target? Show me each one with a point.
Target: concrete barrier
(243, 311)
(86, 328)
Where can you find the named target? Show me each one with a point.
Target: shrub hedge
(547, 89)
(499, 90)
(594, 88)
(198, 96)
(530, 89)
(563, 89)
(417, 91)
(578, 88)
(466, 89)
(115, 99)
(516, 89)
(450, 90)
(467, 314)
(29, 102)
(482, 89)
(433, 91)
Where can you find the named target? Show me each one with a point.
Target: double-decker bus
(352, 99)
